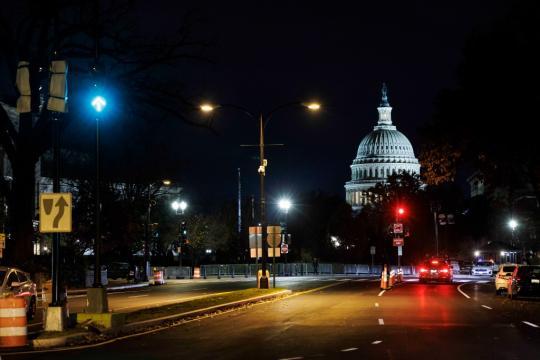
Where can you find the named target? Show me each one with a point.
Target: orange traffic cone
(384, 278)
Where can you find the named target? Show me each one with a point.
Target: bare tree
(103, 44)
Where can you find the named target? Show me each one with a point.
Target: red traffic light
(400, 210)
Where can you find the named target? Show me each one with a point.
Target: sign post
(372, 252)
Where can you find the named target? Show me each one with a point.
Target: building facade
(382, 152)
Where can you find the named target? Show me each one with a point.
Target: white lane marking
(293, 358)
(487, 307)
(381, 293)
(376, 304)
(461, 291)
(381, 322)
(137, 296)
(376, 342)
(531, 324)
(349, 349)
(361, 280)
(344, 279)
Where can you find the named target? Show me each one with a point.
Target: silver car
(17, 283)
(482, 268)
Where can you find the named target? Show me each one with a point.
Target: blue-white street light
(99, 103)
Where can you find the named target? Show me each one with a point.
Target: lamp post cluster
(182, 237)
(263, 120)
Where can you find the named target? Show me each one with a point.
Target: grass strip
(196, 304)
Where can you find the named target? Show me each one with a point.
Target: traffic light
(183, 232)
(400, 210)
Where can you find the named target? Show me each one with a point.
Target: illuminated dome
(382, 152)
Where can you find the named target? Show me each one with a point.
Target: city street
(180, 290)
(352, 319)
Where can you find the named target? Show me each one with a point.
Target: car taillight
(423, 270)
(444, 270)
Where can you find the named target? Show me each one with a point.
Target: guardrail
(294, 269)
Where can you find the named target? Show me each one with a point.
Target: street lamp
(263, 120)
(284, 205)
(97, 296)
(182, 206)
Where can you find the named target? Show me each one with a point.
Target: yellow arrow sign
(55, 212)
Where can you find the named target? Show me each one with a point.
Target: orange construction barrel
(13, 328)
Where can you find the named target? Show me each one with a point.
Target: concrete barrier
(176, 272)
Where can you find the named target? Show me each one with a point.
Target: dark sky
(267, 53)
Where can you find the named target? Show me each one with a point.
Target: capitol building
(382, 152)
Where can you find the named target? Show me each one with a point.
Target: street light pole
(56, 236)
(97, 242)
(262, 170)
(146, 237)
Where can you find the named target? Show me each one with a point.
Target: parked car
(503, 277)
(482, 268)
(15, 282)
(436, 270)
(525, 281)
(455, 266)
(465, 267)
(121, 270)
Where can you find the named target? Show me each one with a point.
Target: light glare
(314, 106)
(99, 103)
(206, 108)
(284, 204)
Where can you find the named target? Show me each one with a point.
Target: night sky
(266, 53)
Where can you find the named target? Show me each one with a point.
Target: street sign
(400, 250)
(258, 252)
(274, 235)
(284, 248)
(372, 250)
(255, 236)
(399, 242)
(55, 212)
(398, 228)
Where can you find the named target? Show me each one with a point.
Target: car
(482, 268)
(504, 275)
(15, 282)
(121, 270)
(455, 266)
(525, 281)
(465, 267)
(436, 270)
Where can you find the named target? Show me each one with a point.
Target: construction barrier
(158, 277)
(384, 279)
(13, 330)
(197, 272)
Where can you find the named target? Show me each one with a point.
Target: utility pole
(262, 172)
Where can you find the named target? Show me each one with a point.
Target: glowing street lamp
(99, 103)
(512, 224)
(313, 106)
(182, 205)
(284, 205)
(207, 108)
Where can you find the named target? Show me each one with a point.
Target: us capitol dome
(383, 152)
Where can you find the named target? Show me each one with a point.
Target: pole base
(97, 300)
(55, 319)
(263, 282)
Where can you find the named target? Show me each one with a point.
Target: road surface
(351, 320)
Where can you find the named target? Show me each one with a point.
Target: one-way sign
(54, 212)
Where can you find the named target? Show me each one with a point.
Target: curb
(197, 312)
(111, 289)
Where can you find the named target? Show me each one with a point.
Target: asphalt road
(178, 290)
(350, 320)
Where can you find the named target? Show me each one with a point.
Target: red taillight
(444, 270)
(423, 270)
(435, 262)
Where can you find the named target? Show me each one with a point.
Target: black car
(121, 270)
(525, 281)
